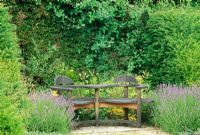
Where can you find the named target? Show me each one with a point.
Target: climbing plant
(92, 37)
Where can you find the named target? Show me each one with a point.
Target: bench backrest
(62, 81)
(125, 79)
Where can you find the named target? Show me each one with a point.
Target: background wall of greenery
(88, 39)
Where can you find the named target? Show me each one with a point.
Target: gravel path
(117, 130)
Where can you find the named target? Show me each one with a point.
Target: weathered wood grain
(101, 86)
(63, 80)
(138, 107)
(97, 106)
(119, 100)
(60, 88)
(125, 79)
(82, 101)
(63, 83)
(91, 105)
(125, 105)
(126, 109)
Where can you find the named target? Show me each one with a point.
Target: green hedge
(10, 118)
(10, 66)
(11, 88)
(39, 34)
(171, 46)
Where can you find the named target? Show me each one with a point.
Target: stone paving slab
(117, 130)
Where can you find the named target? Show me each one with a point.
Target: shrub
(10, 119)
(9, 55)
(43, 65)
(170, 52)
(177, 109)
(11, 87)
(39, 38)
(147, 113)
(49, 114)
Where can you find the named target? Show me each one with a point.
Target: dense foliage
(96, 38)
(177, 109)
(9, 57)
(11, 88)
(170, 50)
(91, 37)
(38, 37)
(10, 118)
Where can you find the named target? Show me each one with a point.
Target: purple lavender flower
(177, 108)
(49, 113)
(172, 92)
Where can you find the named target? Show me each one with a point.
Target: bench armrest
(140, 86)
(60, 88)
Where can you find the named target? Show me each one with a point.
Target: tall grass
(49, 114)
(177, 109)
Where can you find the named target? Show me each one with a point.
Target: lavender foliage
(177, 108)
(50, 114)
(172, 91)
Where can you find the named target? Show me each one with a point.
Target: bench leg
(69, 94)
(126, 109)
(125, 113)
(138, 108)
(96, 107)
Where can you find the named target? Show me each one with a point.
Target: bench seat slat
(84, 101)
(119, 100)
(124, 100)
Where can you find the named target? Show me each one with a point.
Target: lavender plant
(177, 109)
(49, 114)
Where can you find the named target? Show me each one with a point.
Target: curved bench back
(125, 79)
(63, 80)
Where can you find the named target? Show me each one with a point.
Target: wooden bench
(63, 83)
